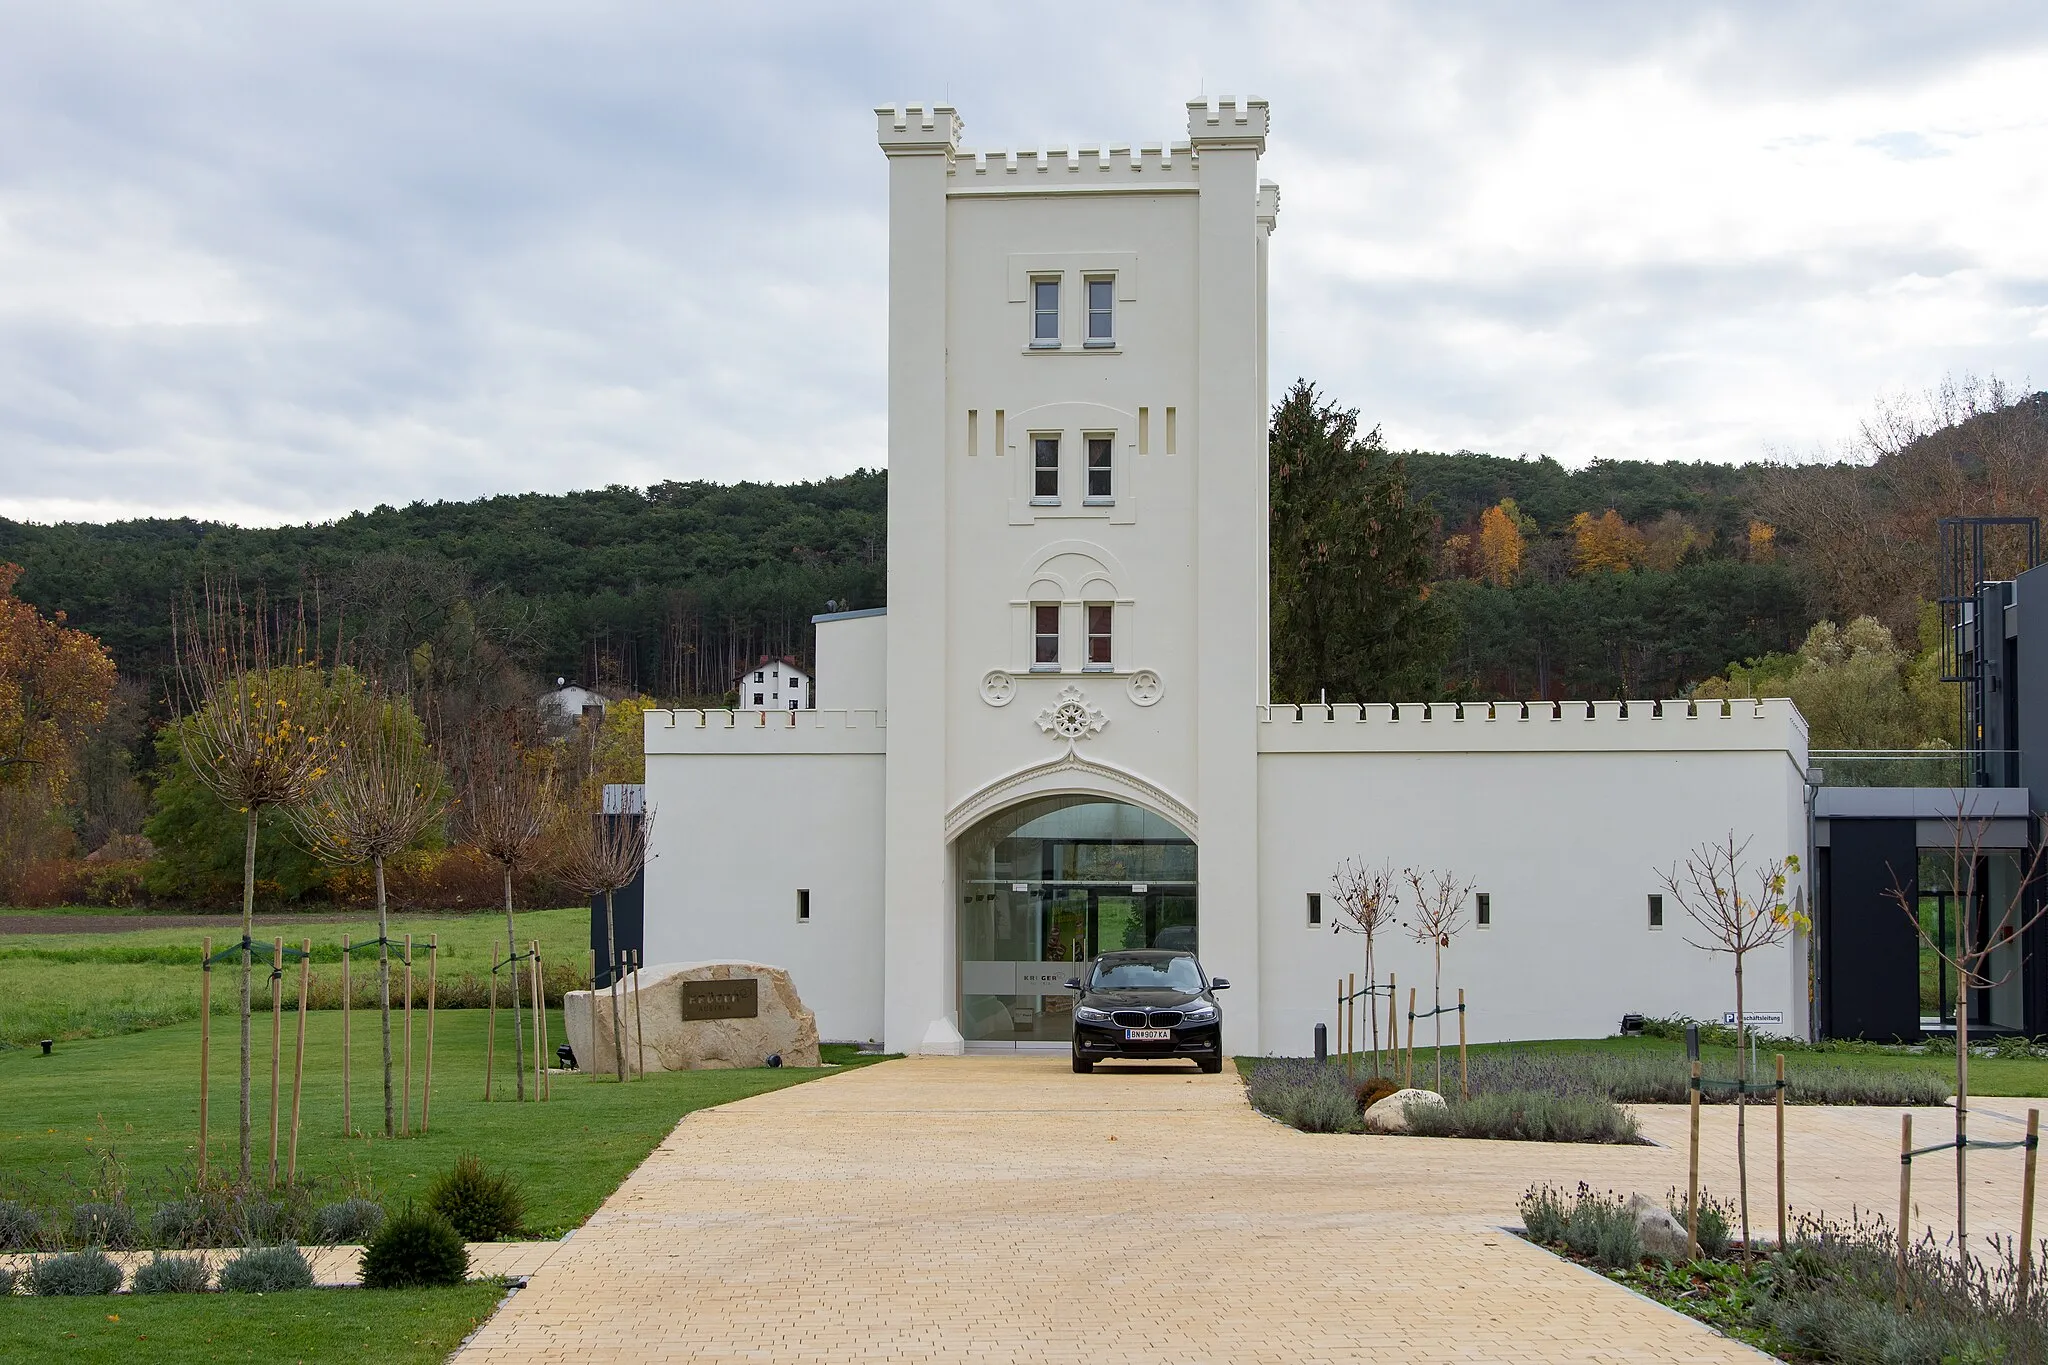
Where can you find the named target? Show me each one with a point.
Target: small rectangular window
(792, 703)
(1045, 313)
(1101, 485)
(757, 675)
(1172, 432)
(1045, 635)
(974, 431)
(1485, 910)
(1101, 312)
(1100, 615)
(1656, 912)
(1315, 908)
(1144, 431)
(757, 699)
(803, 906)
(1045, 468)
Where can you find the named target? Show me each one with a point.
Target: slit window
(1101, 312)
(1485, 911)
(1315, 909)
(803, 906)
(1101, 468)
(1045, 635)
(1045, 313)
(1656, 912)
(1101, 615)
(1045, 468)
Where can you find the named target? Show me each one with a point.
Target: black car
(1145, 1004)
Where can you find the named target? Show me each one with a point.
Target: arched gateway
(1047, 884)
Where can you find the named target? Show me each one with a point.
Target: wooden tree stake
(347, 1130)
(534, 994)
(427, 1084)
(540, 1012)
(276, 1046)
(291, 1170)
(1781, 1151)
(1692, 1183)
(1393, 1030)
(1464, 1075)
(491, 1031)
(1350, 1039)
(1408, 1070)
(2027, 1208)
(405, 1105)
(205, 1043)
(639, 1030)
(1905, 1195)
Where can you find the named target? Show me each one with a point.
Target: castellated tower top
(918, 129)
(1227, 123)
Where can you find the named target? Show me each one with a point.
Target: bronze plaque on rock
(738, 999)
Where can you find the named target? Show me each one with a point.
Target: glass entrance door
(1046, 886)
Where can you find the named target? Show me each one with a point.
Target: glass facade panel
(1049, 884)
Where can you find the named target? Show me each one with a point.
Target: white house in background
(774, 685)
(1059, 740)
(569, 703)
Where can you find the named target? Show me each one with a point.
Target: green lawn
(314, 1325)
(67, 985)
(138, 1096)
(1989, 1076)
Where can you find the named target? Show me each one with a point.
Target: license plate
(1148, 1035)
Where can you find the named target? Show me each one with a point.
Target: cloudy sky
(271, 263)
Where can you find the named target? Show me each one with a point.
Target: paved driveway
(1007, 1210)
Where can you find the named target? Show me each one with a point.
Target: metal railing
(1917, 767)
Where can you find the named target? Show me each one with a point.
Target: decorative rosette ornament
(1070, 717)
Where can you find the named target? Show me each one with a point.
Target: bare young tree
(600, 854)
(382, 791)
(1972, 960)
(509, 805)
(1730, 920)
(253, 730)
(1366, 899)
(1439, 917)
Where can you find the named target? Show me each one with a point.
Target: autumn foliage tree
(1606, 543)
(1501, 545)
(54, 685)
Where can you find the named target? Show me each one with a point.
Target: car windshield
(1155, 974)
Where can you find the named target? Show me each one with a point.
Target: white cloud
(275, 264)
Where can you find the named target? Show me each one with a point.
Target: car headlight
(1088, 1014)
(1199, 1014)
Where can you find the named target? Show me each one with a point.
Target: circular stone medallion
(1144, 687)
(998, 687)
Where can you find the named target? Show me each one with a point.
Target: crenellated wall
(823, 730)
(1539, 726)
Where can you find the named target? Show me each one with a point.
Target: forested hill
(666, 589)
(1718, 499)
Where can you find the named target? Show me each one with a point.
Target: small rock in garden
(1390, 1115)
(1662, 1235)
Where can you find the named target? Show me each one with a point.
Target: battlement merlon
(918, 129)
(1269, 206)
(1228, 124)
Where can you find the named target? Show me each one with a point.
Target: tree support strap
(2030, 1142)
(1431, 1014)
(496, 967)
(1740, 1087)
(265, 951)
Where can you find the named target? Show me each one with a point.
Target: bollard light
(48, 1043)
(774, 1059)
(1322, 1043)
(566, 1056)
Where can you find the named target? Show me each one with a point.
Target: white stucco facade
(1077, 627)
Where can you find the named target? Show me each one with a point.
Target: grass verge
(313, 1326)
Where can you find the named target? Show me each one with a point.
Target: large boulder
(1390, 1115)
(672, 996)
(1662, 1235)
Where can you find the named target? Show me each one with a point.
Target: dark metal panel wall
(629, 919)
(1871, 955)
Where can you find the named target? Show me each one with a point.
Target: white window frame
(1051, 665)
(1089, 497)
(1038, 467)
(1089, 311)
(1038, 342)
(1089, 663)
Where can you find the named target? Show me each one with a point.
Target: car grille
(1139, 1018)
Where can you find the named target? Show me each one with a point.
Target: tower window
(1100, 615)
(1045, 470)
(1315, 908)
(1101, 470)
(1045, 635)
(1101, 312)
(1045, 312)
(1485, 915)
(1656, 912)
(803, 905)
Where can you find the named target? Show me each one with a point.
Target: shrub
(1527, 1116)
(418, 1247)
(1304, 1095)
(482, 1204)
(20, 1226)
(1373, 1090)
(2013, 1047)
(260, 1220)
(267, 1270)
(349, 1220)
(163, 1274)
(104, 1225)
(1544, 1214)
(79, 1272)
(206, 1219)
(9, 1278)
(1716, 1217)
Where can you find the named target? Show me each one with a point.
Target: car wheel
(1082, 1064)
(1211, 1065)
